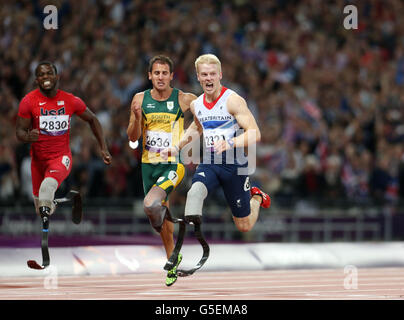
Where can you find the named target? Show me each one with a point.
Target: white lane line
(207, 291)
(290, 273)
(197, 277)
(203, 295)
(62, 282)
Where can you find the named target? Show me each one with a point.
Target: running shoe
(266, 199)
(172, 274)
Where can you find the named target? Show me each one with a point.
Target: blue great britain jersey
(218, 124)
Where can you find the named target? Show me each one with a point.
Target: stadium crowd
(329, 101)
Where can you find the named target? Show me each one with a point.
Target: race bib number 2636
(158, 139)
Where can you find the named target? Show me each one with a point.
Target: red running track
(317, 284)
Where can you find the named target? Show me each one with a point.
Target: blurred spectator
(311, 180)
(329, 101)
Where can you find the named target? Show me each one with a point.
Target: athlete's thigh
(59, 168)
(164, 175)
(170, 176)
(236, 189)
(206, 173)
(149, 171)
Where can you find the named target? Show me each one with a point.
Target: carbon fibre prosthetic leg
(193, 216)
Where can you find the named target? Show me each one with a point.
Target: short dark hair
(47, 63)
(163, 60)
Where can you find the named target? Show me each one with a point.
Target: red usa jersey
(52, 117)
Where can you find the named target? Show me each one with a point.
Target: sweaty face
(160, 76)
(46, 77)
(209, 77)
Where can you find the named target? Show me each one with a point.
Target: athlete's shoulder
(32, 94)
(185, 99)
(187, 94)
(234, 96)
(199, 98)
(198, 102)
(235, 103)
(230, 92)
(66, 95)
(29, 100)
(141, 94)
(138, 97)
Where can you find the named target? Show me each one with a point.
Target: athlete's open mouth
(209, 85)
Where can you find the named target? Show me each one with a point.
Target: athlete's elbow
(129, 134)
(132, 136)
(18, 135)
(22, 136)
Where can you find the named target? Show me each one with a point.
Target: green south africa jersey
(163, 125)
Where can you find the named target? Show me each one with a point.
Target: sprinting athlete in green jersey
(157, 114)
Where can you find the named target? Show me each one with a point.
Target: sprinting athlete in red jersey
(44, 121)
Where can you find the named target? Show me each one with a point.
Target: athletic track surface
(296, 284)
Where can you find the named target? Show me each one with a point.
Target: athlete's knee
(156, 212)
(243, 224)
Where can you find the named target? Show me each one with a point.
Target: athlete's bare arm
(96, 128)
(185, 100)
(134, 130)
(24, 132)
(237, 106)
(194, 130)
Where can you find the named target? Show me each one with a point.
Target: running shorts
(58, 168)
(236, 187)
(164, 175)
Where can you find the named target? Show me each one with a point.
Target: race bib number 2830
(54, 125)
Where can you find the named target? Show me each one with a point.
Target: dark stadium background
(329, 102)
